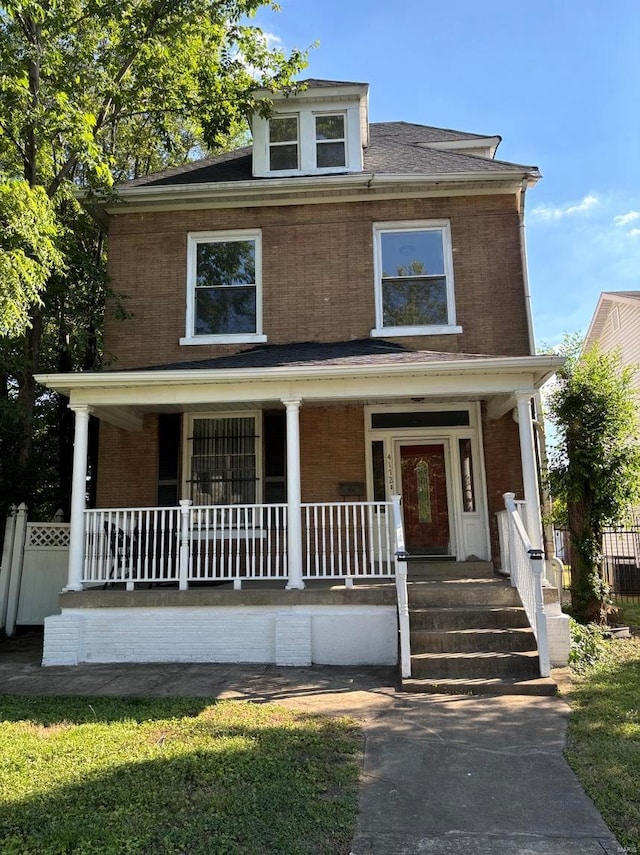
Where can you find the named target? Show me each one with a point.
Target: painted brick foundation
(298, 635)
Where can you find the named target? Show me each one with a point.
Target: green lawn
(100, 775)
(604, 738)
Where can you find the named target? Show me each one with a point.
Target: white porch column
(294, 510)
(78, 494)
(529, 469)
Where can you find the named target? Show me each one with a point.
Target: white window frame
(343, 139)
(442, 226)
(307, 141)
(194, 239)
(188, 428)
(270, 144)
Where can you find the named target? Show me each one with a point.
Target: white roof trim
(542, 366)
(601, 314)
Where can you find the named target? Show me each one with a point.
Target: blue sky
(559, 80)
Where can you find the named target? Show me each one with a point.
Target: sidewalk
(441, 774)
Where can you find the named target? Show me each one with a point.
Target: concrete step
(468, 617)
(420, 570)
(462, 592)
(473, 640)
(495, 686)
(434, 666)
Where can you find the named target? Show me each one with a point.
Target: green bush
(588, 645)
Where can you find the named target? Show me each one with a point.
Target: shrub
(588, 645)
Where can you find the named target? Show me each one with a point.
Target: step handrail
(526, 568)
(401, 556)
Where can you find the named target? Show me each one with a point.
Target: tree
(595, 466)
(93, 92)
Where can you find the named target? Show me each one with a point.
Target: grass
(604, 737)
(101, 775)
(630, 611)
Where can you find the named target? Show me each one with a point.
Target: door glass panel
(466, 476)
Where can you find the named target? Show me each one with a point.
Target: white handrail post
(185, 542)
(78, 497)
(510, 505)
(535, 559)
(529, 469)
(401, 589)
(294, 497)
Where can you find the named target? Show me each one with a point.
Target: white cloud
(543, 212)
(625, 219)
(634, 233)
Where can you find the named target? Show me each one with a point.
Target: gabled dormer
(319, 128)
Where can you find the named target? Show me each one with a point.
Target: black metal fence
(620, 563)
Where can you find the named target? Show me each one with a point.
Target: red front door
(424, 499)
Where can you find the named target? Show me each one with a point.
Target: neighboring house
(331, 317)
(616, 326)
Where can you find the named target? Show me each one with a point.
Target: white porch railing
(347, 540)
(236, 543)
(526, 565)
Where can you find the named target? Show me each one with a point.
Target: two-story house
(330, 317)
(615, 325)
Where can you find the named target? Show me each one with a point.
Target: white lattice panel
(47, 536)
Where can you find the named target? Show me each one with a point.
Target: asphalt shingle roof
(315, 354)
(395, 148)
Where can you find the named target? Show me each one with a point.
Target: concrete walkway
(442, 774)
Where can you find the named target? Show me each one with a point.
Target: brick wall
(317, 275)
(331, 450)
(128, 466)
(503, 468)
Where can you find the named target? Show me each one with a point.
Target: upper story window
(307, 142)
(283, 143)
(223, 288)
(414, 279)
(330, 141)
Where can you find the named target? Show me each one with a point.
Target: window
(223, 288)
(222, 462)
(330, 141)
(283, 143)
(414, 279)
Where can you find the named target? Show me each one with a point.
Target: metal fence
(620, 559)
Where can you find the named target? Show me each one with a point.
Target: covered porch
(286, 458)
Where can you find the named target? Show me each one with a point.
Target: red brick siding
(317, 275)
(128, 466)
(503, 468)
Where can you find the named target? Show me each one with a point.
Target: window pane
(226, 263)
(412, 253)
(283, 130)
(466, 476)
(414, 302)
(329, 127)
(223, 461)
(377, 459)
(283, 157)
(225, 311)
(330, 154)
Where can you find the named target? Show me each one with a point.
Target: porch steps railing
(526, 568)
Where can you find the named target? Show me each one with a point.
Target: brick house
(334, 316)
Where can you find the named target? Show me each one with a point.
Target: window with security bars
(223, 467)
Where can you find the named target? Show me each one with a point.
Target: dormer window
(283, 143)
(330, 141)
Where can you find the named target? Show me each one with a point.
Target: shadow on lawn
(266, 789)
(75, 709)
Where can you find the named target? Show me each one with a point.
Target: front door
(424, 499)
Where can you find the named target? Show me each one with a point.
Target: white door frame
(469, 530)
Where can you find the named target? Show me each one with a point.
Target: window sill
(393, 332)
(242, 338)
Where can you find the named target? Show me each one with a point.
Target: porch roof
(310, 371)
